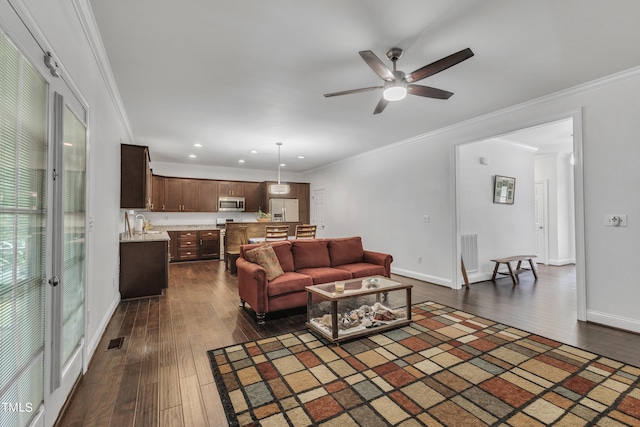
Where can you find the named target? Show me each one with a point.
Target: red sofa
(305, 263)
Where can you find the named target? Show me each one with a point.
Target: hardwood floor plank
(172, 417)
(169, 386)
(193, 412)
(213, 405)
(166, 339)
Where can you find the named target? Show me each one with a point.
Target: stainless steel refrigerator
(284, 210)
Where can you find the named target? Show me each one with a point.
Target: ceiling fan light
(395, 92)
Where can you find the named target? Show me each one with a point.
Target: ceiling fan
(397, 84)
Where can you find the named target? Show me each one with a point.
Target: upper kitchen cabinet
(181, 194)
(230, 188)
(135, 177)
(207, 196)
(253, 197)
(157, 194)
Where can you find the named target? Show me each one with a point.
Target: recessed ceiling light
(283, 164)
(241, 161)
(301, 157)
(193, 156)
(197, 145)
(254, 152)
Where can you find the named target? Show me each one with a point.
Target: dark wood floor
(161, 374)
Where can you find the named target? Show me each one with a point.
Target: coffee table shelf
(352, 289)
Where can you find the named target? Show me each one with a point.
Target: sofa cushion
(325, 274)
(363, 269)
(289, 282)
(282, 250)
(346, 250)
(310, 253)
(266, 257)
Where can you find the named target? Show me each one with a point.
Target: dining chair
(276, 232)
(305, 231)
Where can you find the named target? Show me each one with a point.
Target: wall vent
(469, 244)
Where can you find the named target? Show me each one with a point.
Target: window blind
(23, 145)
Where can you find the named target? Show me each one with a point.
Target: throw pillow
(266, 258)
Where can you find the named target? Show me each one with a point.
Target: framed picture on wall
(504, 189)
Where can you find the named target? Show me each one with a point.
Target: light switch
(426, 218)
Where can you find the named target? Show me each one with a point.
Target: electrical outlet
(615, 220)
(419, 260)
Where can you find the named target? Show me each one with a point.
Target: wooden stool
(518, 270)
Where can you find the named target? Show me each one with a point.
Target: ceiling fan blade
(377, 65)
(429, 92)
(381, 106)
(347, 92)
(440, 65)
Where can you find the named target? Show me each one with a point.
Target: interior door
(540, 197)
(317, 214)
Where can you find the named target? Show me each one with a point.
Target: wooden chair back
(244, 238)
(305, 231)
(276, 232)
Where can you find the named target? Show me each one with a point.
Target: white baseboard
(95, 340)
(559, 262)
(424, 277)
(625, 323)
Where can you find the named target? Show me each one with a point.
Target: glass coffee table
(360, 321)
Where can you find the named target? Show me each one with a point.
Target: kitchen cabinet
(209, 247)
(181, 194)
(304, 202)
(253, 197)
(230, 188)
(187, 245)
(135, 177)
(144, 269)
(173, 245)
(207, 196)
(157, 194)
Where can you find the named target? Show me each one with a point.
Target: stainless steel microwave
(231, 204)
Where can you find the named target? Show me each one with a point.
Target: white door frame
(578, 173)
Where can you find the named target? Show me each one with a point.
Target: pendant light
(279, 188)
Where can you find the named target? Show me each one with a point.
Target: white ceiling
(240, 75)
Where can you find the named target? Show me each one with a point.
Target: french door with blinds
(42, 240)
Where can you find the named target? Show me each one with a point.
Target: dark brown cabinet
(193, 245)
(253, 197)
(230, 188)
(207, 196)
(157, 194)
(180, 194)
(135, 177)
(209, 244)
(187, 245)
(144, 269)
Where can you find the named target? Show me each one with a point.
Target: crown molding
(90, 28)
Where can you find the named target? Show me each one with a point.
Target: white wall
(383, 194)
(503, 230)
(59, 29)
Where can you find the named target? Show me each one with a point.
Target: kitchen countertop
(184, 227)
(153, 236)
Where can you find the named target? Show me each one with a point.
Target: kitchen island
(144, 264)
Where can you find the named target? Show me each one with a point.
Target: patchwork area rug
(447, 368)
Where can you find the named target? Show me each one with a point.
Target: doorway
(560, 210)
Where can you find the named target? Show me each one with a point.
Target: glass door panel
(23, 162)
